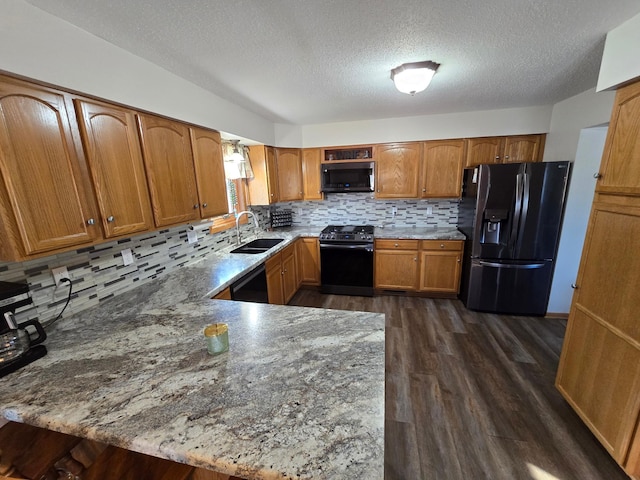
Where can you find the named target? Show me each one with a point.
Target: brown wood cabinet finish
(397, 170)
(289, 164)
(282, 276)
(273, 269)
(168, 160)
(396, 264)
(263, 187)
(484, 150)
(620, 169)
(112, 149)
(599, 371)
(442, 165)
(210, 179)
(308, 260)
(224, 294)
(311, 174)
(46, 200)
(523, 148)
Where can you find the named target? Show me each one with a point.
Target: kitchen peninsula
(300, 394)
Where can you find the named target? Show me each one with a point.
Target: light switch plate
(127, 256)
(192, 236)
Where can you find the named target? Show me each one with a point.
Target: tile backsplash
(363, 208)
(98, 272)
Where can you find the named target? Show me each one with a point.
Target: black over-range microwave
(347, 177)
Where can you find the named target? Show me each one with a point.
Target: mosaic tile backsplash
(98, 273)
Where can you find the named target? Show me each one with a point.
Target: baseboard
(563, 316)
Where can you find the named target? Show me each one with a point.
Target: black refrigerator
(512, 216)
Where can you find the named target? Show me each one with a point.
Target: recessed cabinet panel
(169, 164)
(442, 165)
(484, 150)
(621, 158)
(311, 174)
(112, 149)
(289, 174)
(397, 170)
(440, 271)
(210, 179)
(523, 148)
(46, 186)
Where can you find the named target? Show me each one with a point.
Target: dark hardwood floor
(471, 395)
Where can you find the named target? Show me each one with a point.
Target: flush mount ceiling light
(412, 78)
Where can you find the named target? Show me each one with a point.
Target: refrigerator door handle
(523, 212)
(523, 266)
(517, 209)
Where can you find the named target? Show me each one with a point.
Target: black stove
(346, 259)
(347, 233)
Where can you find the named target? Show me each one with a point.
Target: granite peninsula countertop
(300, 394)
(419, 233)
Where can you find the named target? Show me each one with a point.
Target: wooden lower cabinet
(223, 295)
(282, 276)
(427, 266)
(599, 371)
(632, 465)
(308, 251)
(396, 264)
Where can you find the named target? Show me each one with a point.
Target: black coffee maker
(17, 347)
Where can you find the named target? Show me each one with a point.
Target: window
(236, 202)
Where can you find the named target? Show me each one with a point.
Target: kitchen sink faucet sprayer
(255, 222)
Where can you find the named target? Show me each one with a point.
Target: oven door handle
(368, 248)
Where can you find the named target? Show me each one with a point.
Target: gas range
(347, 234)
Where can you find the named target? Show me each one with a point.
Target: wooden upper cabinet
(289, 164)
(263, 187)
(311, 174)
(168, 159)
(46, 201)
(523, 148)
(484, 150)
(112, 148)
(397, 170)
(620, 170)
(442, 166)
(210, 179)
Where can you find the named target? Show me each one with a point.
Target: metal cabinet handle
(458, 259)
(424, 189)
(597, 175)
(506, 157)
(204, 205)
(196, 206)
(110, 219)
(415, 259)
(497, 157)
(574, 286)
(442, 245)
(91, 221)
(396, 245)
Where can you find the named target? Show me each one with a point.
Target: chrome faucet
(255, 222)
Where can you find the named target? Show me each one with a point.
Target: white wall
(510, 121)
(621, 59)
(578, 208)
(570, 116)
(41, 46)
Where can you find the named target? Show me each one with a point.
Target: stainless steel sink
(259, 245)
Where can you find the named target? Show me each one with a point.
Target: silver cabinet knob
(424, 189)
(574, 286)
(204, 205)
(196, 206)
(497, 157)
(415, 259)
(597, 175)
(506, 157)
(272, 194)
(110, 219)
(91, 221)
(442, 245)
(396, 245)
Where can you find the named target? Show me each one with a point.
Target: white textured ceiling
(317, 61)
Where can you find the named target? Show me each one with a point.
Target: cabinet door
(311, 174)
(309, 260)
(289, 167)
(523, 148)
(620, 171)
(273, 188)
(442, 165)
(599, 372)
(210, 179)
(113, 152)
(273, 268)
(396, 269)
(46, 198)
(397, 169)
(440, 272)
(484, 150)
(289, 273)
(263, 187)
(632, 466)
(169, 164)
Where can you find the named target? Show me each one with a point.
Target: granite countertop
(300, 394)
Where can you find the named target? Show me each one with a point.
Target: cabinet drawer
(441, 245)
(391, 244)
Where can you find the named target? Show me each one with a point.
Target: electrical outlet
(127, 257)
(429, 210)
(394, 211)
(58, 274)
